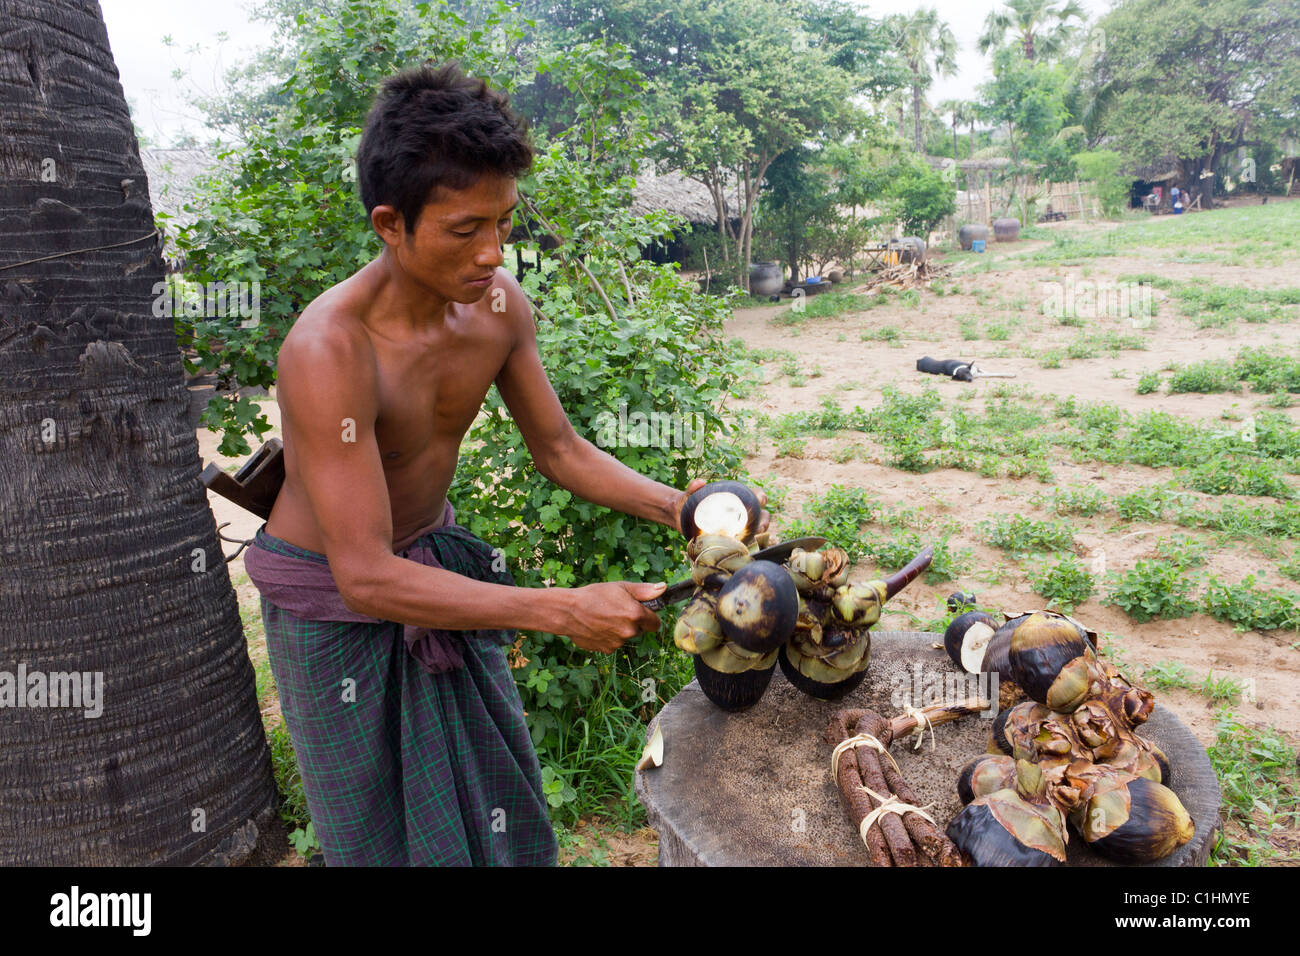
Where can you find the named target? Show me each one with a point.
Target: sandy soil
(853, 372)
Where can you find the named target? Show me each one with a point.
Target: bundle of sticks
(879, 801)
(906, 275)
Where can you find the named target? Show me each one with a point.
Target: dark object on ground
(959, 599)
(970, 232)
(957, 369)
(729, 786)
(910, 249)
(810, 288)
(954, 368)
(1006, 230)
(776, 297)
(1050, 216)
(256, 484)
(764, 278)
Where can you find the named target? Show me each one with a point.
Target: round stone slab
(754, 788)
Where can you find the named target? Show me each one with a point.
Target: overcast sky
(136, 29)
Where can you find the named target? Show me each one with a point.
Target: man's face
(456, 246)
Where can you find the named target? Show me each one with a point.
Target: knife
(777, 553)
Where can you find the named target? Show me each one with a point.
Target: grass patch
(1248, 607)
(1257, 773)
(1020, 535)
(824, 305)
(1076, 500)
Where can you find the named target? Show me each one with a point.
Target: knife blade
(681, 590)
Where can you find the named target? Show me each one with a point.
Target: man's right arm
(327, 390)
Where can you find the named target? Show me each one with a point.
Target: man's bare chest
(430, 397)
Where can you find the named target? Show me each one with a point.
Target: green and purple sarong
(412, 744)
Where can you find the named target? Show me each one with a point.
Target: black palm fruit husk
(1012, 827)
(1014, 729)
(721, 507)
(733, 692)
(759, 606)
(986, 774)
(966, 638)
(1040, 647)
(997, 653)
(1130, 819)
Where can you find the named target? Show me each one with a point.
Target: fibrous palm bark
(109, 559)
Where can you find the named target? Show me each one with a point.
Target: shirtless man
(378, 382)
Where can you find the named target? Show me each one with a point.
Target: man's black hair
(433, 127)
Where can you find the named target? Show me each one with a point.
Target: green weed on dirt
(1258, 776)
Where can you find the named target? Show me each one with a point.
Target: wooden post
(988, 198)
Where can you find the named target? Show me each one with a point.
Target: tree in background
(1102, 167)
(809, 214)
(1198, 80)
(922, 197)
(924, 41)
(1027, 97)
(1040, 27)
(733, 85)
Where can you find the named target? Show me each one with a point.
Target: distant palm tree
(962, 112)
(924, 39)
(1040, 26)
(113, 592)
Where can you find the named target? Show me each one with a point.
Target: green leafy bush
(923, 197)
(1257, 773)
(1019, 534)
(1065, 582)
(1249, 607)
(1102, 168)
(1152, 589)
(1238, 476)
(1148, 382)
(839, 516)
(1077, 500)
(1212, 375)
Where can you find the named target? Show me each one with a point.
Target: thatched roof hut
(1162, 170)
(677, 194)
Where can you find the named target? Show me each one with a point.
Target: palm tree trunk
(110, 563)
(916, 115)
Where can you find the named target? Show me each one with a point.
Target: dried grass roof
(677, 194)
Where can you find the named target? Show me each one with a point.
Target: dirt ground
(837, 363)
(853, 372)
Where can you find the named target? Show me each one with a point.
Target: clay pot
(765, 278)
(970, 232)
(1006, 230)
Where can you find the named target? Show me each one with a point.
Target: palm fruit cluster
(741, 613)
(1072, 746)
(828, 654)
(742, 610)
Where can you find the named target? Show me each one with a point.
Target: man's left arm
(560, 453)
